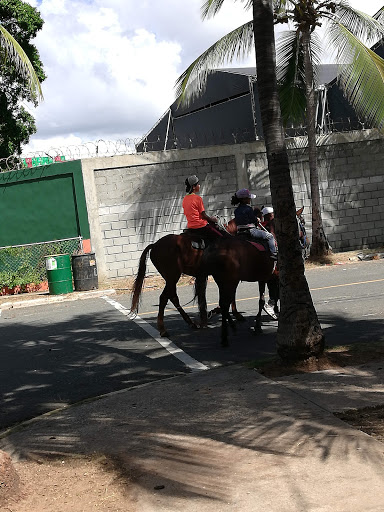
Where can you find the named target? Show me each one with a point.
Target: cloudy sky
(112, 65)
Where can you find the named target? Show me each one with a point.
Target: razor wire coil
(154, 142)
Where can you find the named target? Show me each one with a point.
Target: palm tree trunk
(320, 246)
(299, 334)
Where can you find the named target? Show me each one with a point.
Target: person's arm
(208, 218)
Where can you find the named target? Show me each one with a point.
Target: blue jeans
(264, 235)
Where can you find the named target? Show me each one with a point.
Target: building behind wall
(228, 112)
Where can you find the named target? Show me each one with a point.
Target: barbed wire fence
(157, 142)
(94, 149)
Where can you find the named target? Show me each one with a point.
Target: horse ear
(299, 212)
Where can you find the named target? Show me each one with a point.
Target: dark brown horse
(172, 256)
(230, 261)
(273, 284)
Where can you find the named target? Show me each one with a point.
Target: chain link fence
(24, 264)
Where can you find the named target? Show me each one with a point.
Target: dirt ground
(85, 484)
(98, 483)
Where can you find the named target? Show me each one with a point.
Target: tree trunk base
(299, 338)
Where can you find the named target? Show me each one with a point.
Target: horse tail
(139, 280)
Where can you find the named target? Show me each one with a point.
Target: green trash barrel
(59, 273)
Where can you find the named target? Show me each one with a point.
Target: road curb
(59, 410)
(54, 299)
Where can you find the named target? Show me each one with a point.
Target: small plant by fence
(25, 264)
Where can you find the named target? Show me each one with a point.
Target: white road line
(164, 342)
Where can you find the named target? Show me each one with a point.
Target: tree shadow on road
(198, 434)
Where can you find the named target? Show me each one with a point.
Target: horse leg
(160, 316)
(238, 316)
(257, 327)
(169, 293)
(274, 294)
(213, 312)
(175, 301)
(201, 294)
(227, 296)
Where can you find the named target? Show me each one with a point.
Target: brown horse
(230, 261)
(273, 284)
(172, 256)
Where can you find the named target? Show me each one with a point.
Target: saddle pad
(258, 246)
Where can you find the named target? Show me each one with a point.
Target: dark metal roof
(225, 111)
(326, 72)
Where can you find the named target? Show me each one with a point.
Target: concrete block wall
(138, 204)
(351, 179)
(134, 200)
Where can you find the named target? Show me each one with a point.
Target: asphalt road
(58, 354)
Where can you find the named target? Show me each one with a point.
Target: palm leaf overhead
(14, 53)
(211, 7)
(291, 77)
(361, 70)
(291, 74)
(363, 79)
(235, 45)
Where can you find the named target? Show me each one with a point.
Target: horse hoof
(203, 326)
(194, 326)
(164, 334)
(213, 312)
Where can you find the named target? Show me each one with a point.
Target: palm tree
(299, 334)
(14, 53)
(361, 71)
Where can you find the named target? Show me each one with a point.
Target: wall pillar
(97, 243)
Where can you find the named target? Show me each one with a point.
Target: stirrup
(198, 245)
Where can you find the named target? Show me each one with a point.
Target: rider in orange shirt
(194, 210)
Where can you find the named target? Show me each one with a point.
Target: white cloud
(112, 65)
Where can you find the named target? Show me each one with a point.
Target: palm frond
(235, 45)
(368, 29)
(379, 15)
(14, 53)
(361, 76)
(211, 7)
(291, 77)
(280, 6)
(291, 73)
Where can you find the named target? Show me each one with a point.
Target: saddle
(196, 241)
(202, 240)
(245, 235)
